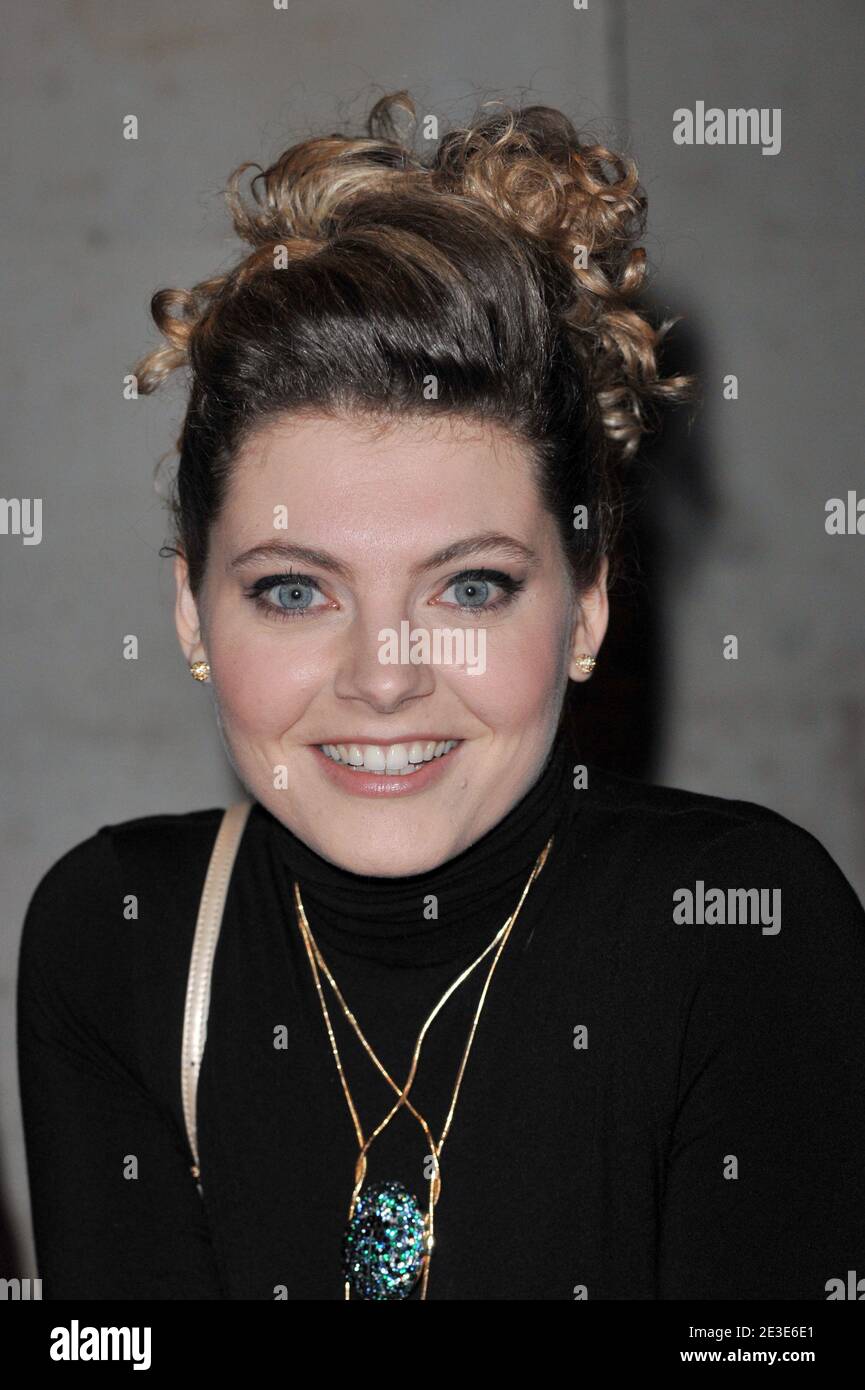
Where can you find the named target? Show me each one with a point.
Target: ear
(591, 626)
(186, 616)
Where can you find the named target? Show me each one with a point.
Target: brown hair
(504, 265)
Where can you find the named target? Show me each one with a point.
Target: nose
(367, 670)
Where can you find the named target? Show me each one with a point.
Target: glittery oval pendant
(383, 1245)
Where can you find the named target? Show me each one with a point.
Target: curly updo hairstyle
(503, 265)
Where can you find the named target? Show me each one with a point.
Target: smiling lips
(395, 759)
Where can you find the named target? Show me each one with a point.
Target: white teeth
(397, 759)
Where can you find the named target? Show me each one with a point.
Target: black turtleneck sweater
(652, 1108)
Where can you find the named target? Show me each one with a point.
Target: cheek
(262, 681)
(525, 671)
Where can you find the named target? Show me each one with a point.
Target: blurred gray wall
(760, 253)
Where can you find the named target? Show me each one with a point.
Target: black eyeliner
(255, 592)
(270, 581)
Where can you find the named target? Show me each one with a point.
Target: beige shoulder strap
(201, 962)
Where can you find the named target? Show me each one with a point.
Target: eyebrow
(322, 559)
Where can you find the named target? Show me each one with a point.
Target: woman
(397, 503)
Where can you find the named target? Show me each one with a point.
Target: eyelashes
(471, 580)
(257, 591)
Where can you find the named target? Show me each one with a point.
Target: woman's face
(343, 551)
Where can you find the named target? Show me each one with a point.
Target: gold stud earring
(200, 670)
(586, 663)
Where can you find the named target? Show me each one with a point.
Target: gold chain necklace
(387, 1243)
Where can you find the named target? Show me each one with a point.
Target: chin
(381, 851)
(384, 865)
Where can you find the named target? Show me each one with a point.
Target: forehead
(447, 466)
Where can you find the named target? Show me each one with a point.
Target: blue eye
(292, 595)
(471, 593)
(472, 590)
(287, 596)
